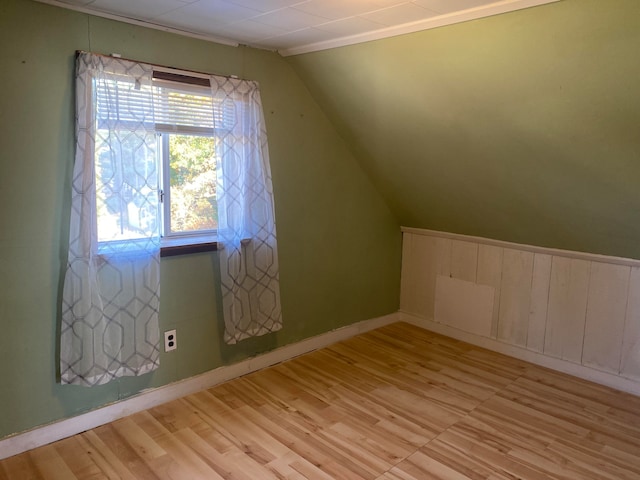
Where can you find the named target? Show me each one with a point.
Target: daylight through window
(170, 190)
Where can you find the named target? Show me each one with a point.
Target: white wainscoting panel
(408, 282)
(490, 273)
(539, 302)
(570, 307)
(517, 273)
(464, 260)
(630, 361)
(567, 308)
(474, 314)
(430, 256)
(606, 311)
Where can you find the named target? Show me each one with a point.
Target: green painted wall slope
(339, 244)
(522, 127)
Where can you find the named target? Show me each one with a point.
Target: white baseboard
(580, 371)
(46, 434)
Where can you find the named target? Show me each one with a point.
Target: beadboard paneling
(571, 306)
(407, 276)
(426, 257)
(604, 326)
(474, 315)
(538, 305)
(517, 273)
(568, 291)
(490, 273)
(464, 260)
(630, 361)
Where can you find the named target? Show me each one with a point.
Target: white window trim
(168, 236)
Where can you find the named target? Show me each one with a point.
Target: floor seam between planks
(396, 403)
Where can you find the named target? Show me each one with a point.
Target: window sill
(171, 247)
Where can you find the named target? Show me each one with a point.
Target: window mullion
(166, 185)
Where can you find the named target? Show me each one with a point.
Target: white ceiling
(294, 26)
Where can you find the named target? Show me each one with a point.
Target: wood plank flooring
(398, 403)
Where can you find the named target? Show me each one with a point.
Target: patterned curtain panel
(112, 282)
(246, 221)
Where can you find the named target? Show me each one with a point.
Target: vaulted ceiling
(521, 127)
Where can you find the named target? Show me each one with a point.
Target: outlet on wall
(170, 340)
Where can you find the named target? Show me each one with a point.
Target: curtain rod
(115, 55)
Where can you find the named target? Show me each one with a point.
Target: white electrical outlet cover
(170, 340)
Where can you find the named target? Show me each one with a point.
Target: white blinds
(121, 101)
(176, 107)
(183, 108)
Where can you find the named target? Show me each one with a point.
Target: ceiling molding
(496, 8)
(140, 23)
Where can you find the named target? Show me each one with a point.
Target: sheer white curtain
(246, 220)
(112, 283)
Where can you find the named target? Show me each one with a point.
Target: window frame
(171, 236)
(171, 243)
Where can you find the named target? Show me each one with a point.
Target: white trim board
(142, 23)
(591, 257)
(68, 427)
(496, 8)
(564, 366)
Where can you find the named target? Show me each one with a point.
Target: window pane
(126, 185)
(192, 173)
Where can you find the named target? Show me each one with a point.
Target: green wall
(522, 127)
(339, 243)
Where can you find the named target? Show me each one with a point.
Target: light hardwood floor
(398, 403)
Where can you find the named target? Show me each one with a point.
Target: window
(169, 189)
(189, 185)
(143, 133)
